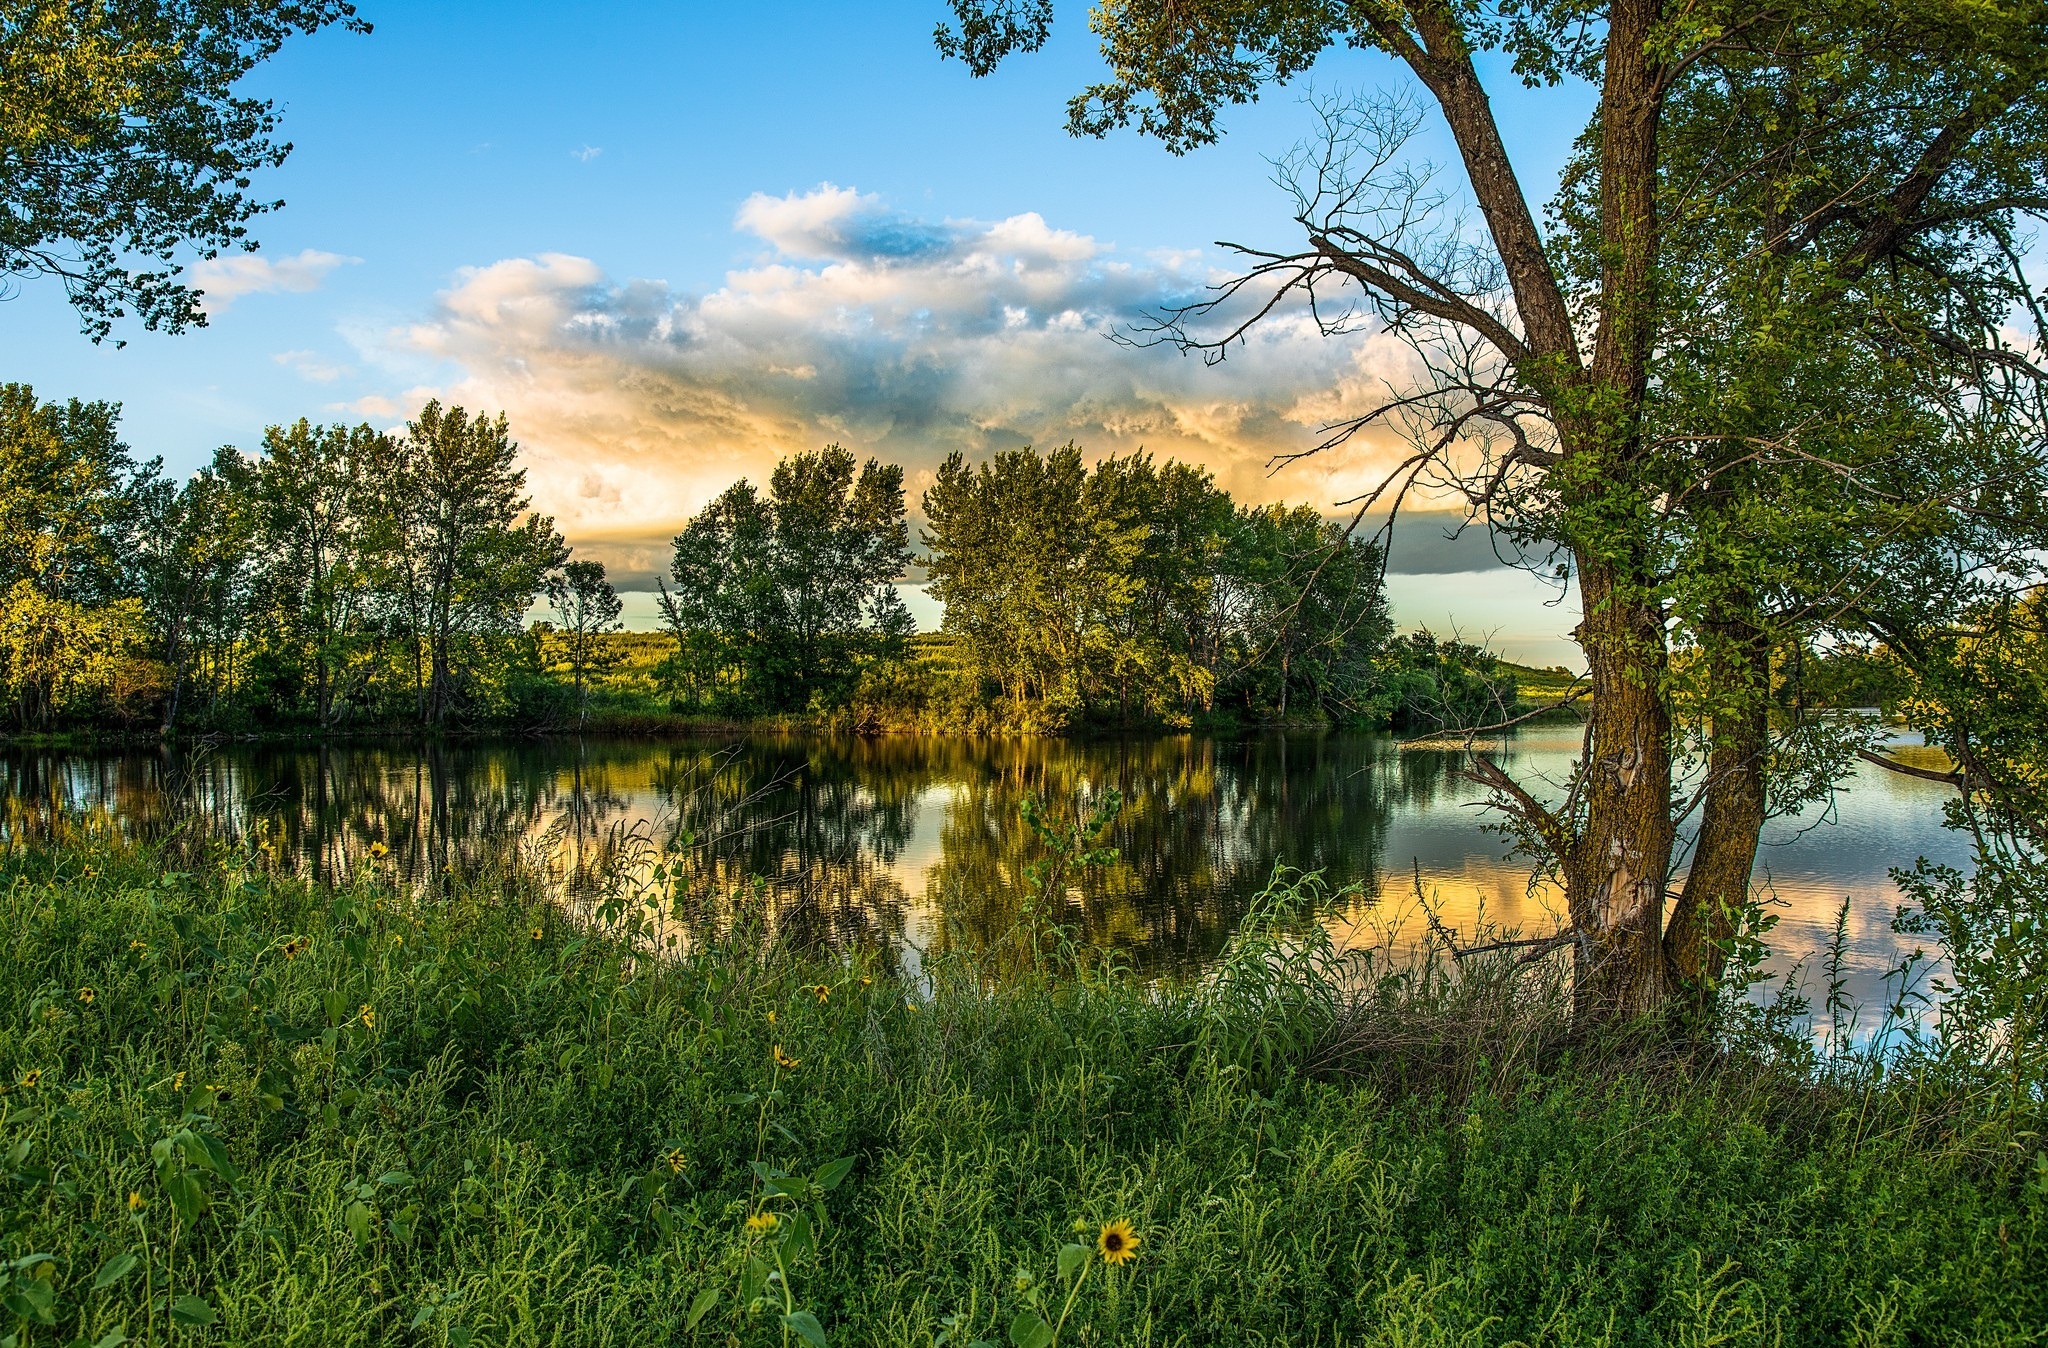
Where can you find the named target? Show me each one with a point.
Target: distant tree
(69, 496)
(122, 142)
(588, 609)
(191, 567)
(458, 554)
(310, 489)
(782, 595)
(1303, 610)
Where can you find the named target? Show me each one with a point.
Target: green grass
(541, 1139)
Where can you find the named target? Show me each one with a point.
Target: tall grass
(243, 1109)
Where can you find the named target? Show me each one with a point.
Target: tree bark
(1616, 868)
(1732, 818)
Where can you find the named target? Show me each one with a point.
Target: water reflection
(916, 844)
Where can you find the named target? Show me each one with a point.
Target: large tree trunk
(1717, 885)
(1617, 866)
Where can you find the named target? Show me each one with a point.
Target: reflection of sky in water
(916, 832)
(1810, 864)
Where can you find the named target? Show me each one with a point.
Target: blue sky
(675, 240)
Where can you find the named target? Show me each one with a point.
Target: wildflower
(783, 1060)
(824, 993)
(296, 946)
(86, 995)
(762, 1222)
(1118, 1242)
(538, 933)
(31, 1079)
(675, 1160)
(771, 1017)
(367, 1016)
(135, 1201)
(178, 1082)
(378, 851)
(141, 948)
(866, 982)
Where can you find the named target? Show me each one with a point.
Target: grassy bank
(242, 1110)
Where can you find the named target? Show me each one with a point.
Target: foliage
(780, 599)
(122, 141)
(69, 501)
(588, 610)
(360, 1114)
(1136, 592)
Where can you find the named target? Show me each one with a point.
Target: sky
(676, 241)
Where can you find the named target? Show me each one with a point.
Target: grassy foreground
(241, 1110)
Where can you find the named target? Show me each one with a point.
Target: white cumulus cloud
(895, 336)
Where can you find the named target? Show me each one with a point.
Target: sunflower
(762, 1222)
(1118, 1242)
(783, 1060)
(538, 933)
(86, 995)
(866, 982)
(31, 1078)
(824, 993)
(135, 1201)
(368, 1016)
(378, 851)
(675, 1160)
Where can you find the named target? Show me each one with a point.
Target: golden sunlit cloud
(894, 336)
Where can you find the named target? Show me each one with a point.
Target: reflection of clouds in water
(911, 841)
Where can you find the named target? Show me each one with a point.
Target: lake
(918, 844)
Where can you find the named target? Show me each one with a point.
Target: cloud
(898, 337)
(311, 365)
(226, 279)
(586, 153)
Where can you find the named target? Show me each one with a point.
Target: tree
(311, 488)
(788, 592)
(191, 567)
(122, 142)
(68, 508)
(456, 550)
(588, 609)
(1542, 398)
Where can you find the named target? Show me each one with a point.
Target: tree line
(1129, 592)
(346, 578)
(341, 576)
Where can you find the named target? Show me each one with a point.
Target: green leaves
(1029, 1330)
(113, 1271)
(193, 1311)
(805, 1325)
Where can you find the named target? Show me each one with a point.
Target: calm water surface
(917, 843)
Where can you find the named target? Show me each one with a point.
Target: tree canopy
(123, 143)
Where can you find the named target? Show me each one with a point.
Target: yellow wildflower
(135, 1201)
(675, 1160)
(763, 1222)
(367, 1016)
(86, 995)
(378, 851)
(538, 933)
(824, 993)
(1118, 1242)
(31, 1078)
(783, 1060)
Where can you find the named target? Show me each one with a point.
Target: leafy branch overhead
(125, 147)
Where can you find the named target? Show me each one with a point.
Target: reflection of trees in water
(818, 823)
(1204, 822)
